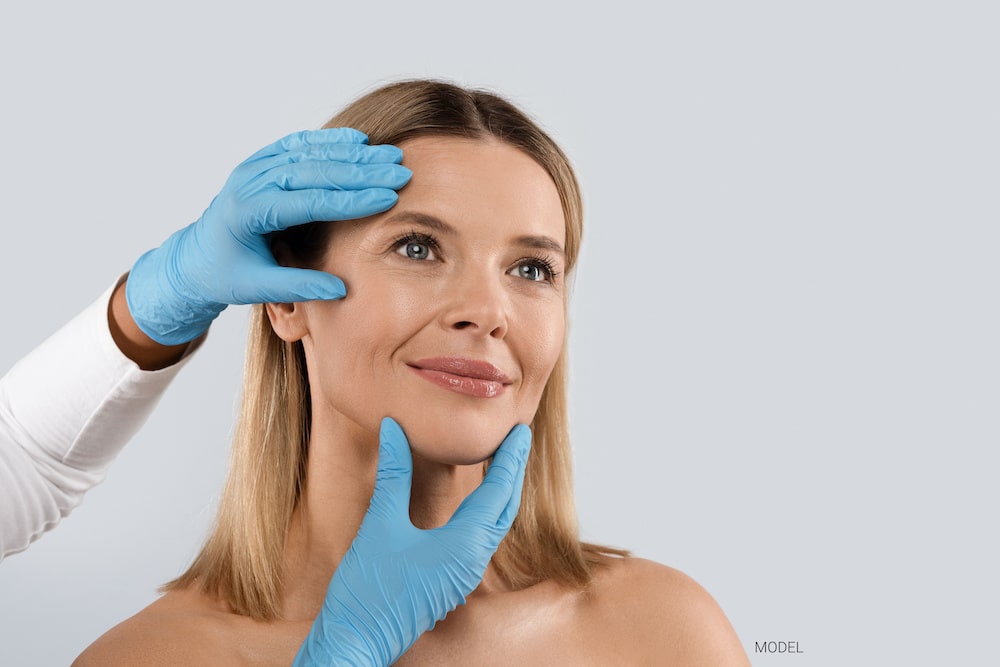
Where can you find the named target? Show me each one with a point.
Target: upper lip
(470, 368)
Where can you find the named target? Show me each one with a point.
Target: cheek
(374, 319)
(352, 344)
(541, 344)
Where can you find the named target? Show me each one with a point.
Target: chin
(454, 440)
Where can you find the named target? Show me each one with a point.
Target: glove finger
(506, 519)
(305, 138)
(349, 153)
(395, 473)
(282, 284)
(337, 176)
(498, 497)
(282, 210)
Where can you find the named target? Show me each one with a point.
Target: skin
(134, 344)
(471, 297)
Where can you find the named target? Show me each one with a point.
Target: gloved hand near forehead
(175, 291)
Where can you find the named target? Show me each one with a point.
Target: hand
(175, 291)
(397, 580)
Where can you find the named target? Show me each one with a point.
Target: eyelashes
(415, 237)
(411, 241)
(541, 262)
(421, 246)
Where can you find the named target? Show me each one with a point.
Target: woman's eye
(415, 250)
(532, 272)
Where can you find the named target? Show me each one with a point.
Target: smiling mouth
(479, 379)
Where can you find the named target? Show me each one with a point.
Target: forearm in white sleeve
(66, 410)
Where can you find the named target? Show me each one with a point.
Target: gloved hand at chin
(175, 291)
(397, 580)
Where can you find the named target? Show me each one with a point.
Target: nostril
(462, 325)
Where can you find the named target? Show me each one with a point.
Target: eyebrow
(435, 223)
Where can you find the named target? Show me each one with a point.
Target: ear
(288, 320)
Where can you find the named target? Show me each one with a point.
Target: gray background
(784, 329)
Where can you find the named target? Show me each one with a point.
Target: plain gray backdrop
(784, 329)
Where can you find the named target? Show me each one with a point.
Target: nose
(477, 305)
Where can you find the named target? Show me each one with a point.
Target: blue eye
(415, 250)
(416, 246)
(535, 270)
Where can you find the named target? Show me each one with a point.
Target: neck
(340, 480)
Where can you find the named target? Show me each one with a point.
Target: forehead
(481, 185)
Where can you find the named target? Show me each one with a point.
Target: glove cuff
(156, 306)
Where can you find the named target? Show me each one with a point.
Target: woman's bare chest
(530, 632)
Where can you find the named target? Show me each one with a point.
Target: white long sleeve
(66, 410)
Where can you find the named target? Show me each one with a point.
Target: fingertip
(334, 282)
(392, 176)
(391, 436)
(394, 472)
(510, 459)
(354, 204)
(347, 135)
(520, 441)
(287, 284)
(390, 428)
(304, 138)
(360, 136)
(394, 153)
(333, 289)
(381, 198)
(317, 285)
(405, 174)
(394, 448)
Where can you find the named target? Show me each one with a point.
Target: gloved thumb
(393, 479)
(495, 503)
(284, 284)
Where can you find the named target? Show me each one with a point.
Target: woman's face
(454, 315)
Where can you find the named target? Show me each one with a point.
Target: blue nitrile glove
(397, 580)
(175, 291)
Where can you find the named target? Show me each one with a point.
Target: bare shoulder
(661, 615)
(153, 637)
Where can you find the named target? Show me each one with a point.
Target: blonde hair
(242, 561)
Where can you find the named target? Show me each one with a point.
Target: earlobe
(287, 320)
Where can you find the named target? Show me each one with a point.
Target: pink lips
(480, 379)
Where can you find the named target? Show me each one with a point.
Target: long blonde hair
(242, 561)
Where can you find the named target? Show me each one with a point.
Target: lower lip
(461, 384)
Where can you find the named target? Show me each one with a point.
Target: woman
(454, 327)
